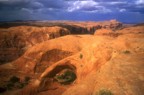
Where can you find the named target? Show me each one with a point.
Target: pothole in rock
(62, 69)
(65, 76)
(58, 79)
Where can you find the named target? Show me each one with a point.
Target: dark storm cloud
(137, 9)
(54, 3)
(6, 4)
(64, 9)
(17, 4)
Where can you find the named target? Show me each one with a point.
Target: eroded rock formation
(15, 40)
(79, 65)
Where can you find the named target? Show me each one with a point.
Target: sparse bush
(67, 76)
(126, 52)
(81, 56)
(104, 92)
(14, 79)
(9, 86)
(19, 85)
(14, 83)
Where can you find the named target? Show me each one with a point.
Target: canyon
(71, 58)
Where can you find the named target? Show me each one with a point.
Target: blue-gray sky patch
(82, 10)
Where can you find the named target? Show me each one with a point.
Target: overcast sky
(80, 10)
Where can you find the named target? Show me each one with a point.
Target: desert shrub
(19, 85)
(66, 77)
(81, 56)
(14, 79)
(126, 52)
(14, 83)
(9, 86)
(104, 92)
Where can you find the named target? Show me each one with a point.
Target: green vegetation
(67, 76)
(14, 83)
(104, 92)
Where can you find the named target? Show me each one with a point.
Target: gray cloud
(58, 9)
(73, 5)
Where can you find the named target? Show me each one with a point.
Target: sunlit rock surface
(104, 60)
